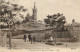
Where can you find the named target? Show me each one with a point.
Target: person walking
(34, 39)
(24, 38)
(29, 37)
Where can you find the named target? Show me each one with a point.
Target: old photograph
(39, 25)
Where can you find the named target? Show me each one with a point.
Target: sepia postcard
(39, 25)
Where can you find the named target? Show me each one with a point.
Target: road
(41, 46)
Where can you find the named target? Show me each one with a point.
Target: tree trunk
(10, 46)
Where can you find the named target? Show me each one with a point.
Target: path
(20, 44)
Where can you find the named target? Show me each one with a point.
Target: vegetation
(9, 13)
(56, 20)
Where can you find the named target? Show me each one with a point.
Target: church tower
(34, 12)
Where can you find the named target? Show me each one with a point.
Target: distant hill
(30, 26)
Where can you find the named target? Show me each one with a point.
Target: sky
(69, 8)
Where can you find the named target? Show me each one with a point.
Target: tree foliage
(9, 12)
(55, 20)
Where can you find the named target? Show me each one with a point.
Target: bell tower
(34, 12)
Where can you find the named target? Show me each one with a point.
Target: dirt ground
(21, 46)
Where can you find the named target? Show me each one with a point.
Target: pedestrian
(24, 38)
(34, 39)
(29, 37)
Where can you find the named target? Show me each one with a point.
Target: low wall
(40, 36)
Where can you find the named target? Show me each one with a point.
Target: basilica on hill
(33, 17)
(31, 21)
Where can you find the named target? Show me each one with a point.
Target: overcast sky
(70, 8)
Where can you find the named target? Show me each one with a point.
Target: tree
(10, 12)
(27, 18)
(57, 20)
(18, 23)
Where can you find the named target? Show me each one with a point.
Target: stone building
(33, 17)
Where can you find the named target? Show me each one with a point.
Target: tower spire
(34, 4)
(35, 12)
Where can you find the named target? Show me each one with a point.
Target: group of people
(30, 38)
